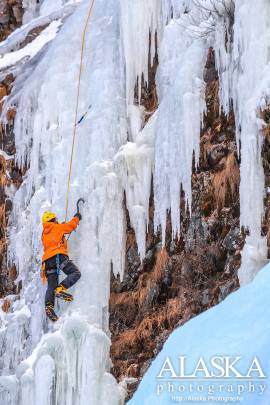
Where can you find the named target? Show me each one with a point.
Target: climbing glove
(78, 215)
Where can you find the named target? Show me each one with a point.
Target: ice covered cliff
(115, 153)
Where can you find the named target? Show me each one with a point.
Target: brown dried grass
(145, 283)
(125, 341)
(165, 319)
(154, 278)
(226, 182)
(213, 94)
(265, 115)
(6, 305)
(206, 145)
(159, 268)
(131, 240)
(3, 170)
(173, 310)
(128, 298)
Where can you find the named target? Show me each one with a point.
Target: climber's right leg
(73, 275)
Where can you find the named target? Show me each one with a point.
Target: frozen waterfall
(116, 153)
(244, 72)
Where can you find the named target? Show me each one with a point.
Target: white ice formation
(116, 153)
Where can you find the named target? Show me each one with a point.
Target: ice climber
(55, 258)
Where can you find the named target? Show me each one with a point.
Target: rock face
(10, 179)
(11, 14)
(189, 275)
(10, 176)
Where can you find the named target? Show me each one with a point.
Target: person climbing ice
(55, 258)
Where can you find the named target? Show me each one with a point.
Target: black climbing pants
(72, 272)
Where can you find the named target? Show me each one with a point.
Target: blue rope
(84, 115)
(58, 264)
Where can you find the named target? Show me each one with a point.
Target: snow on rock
(31, 49)
(5, 155)
(13, 42)
(229, 329)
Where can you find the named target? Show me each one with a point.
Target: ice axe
(80, 200)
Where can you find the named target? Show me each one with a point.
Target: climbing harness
(59, 266)
(76, 121)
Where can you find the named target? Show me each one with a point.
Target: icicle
(140, 20)
(173, 155)
(181, 97)
(134, 164)
(142, 24)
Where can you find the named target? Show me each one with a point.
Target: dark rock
(216, 154)
(230, 240)
(10, 16)
(226, 289)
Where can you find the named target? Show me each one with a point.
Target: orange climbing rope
(77, 105)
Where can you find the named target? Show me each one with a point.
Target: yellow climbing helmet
(47, 217)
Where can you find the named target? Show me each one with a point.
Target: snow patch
(217, 332)
(31, 49)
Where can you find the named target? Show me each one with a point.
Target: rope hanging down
(76, 122)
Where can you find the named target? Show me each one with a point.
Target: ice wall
(180, 87)
(251, 95)
(181, 106)
(70, 362)
(244, 72)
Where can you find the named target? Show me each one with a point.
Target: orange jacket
(53, 237)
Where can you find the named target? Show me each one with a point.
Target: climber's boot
(61, 292)
(50, 312)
